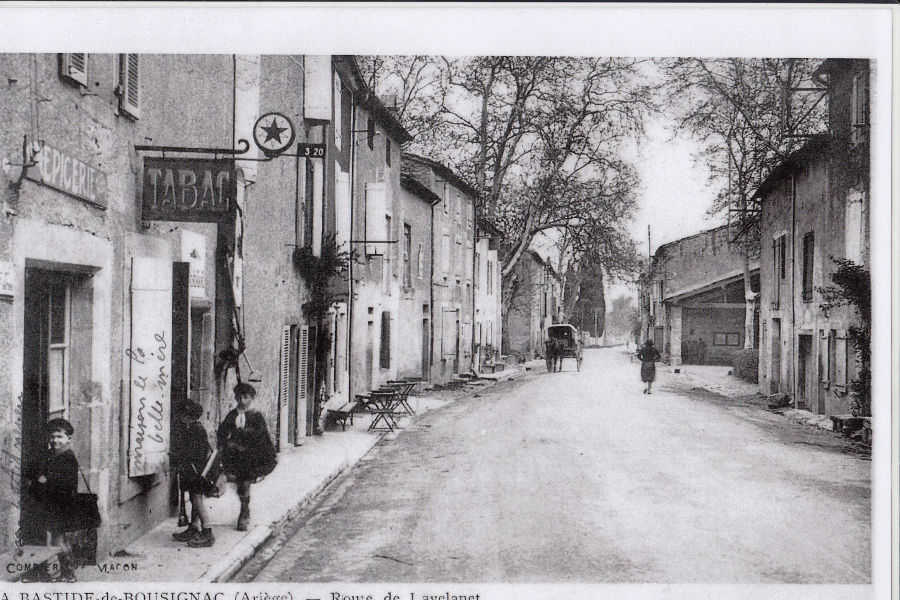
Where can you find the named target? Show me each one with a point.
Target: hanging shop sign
(273, 133)
(56, 169)
(187, 189)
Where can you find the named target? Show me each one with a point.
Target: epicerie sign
(67, 174)
(185, 189)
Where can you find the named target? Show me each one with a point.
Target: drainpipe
(793, 287)
(431, 300)
(350, 303)
(474, 295)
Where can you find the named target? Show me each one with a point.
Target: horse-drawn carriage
(562, 342)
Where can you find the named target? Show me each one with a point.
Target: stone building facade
(144, 262)
(815, 209)
(693, 299)
(534, 292)
(488, 330)
(453, 295)
(381, 216)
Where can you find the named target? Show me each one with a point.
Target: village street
(568, 477)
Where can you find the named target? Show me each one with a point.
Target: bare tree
(749, 114)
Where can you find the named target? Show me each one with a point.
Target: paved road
(579, 477)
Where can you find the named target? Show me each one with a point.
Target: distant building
(815, 208)
(533, 304)
(693, 300)
(453, 249)
(385, 228)
(488, 297)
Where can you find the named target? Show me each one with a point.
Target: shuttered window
(129, 85)
(284, 367)
(809, 246)
(421, 261)
(840, 359)
(376, 205)
(386, 340)
(73, 67)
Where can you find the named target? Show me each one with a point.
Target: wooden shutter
(317, 88)
(73, 66)
(824, 358)
(285, 366)
(342, 210)
(150, 365)
(386, 340)
(129, 85)
(840, 359)
(375, 213)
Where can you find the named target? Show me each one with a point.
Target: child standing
(193, 454)
(247, 451)
(57, 484)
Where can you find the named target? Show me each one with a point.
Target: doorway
(775, 371)
(47, 374)
(804, 370)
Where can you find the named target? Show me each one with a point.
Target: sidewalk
(302, 472)
(716, 379)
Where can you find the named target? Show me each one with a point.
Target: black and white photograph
(522, 316)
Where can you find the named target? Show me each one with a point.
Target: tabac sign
(68, 174)
(187, 189)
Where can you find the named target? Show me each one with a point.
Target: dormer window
(859, 107)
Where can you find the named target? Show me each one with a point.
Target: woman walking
(648, 356)
(247, 451)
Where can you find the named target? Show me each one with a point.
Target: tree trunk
(750, 298)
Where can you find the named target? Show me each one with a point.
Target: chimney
(390, 102)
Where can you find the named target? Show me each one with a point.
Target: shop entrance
(49, 366)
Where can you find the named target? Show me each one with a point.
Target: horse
(554, 350)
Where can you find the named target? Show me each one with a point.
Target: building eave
(708, 285)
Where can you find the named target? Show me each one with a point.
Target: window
(839, 356)
(490, 277)
(407, 255)
(337, 119)
(58, 351)
(853, 227)
(468, 259)
(73, 67)
(778, 264)
(385, 340)
(458, 206)
(445, 254)
(387, 150)
(809, 242)
(470, 209)
(370, 133)
(386, 259)
(128, 89)
(477, 269)
(445, 200)
(859, 107)
(304, 226)
(726, 339)
(421, 261)
(826, 340)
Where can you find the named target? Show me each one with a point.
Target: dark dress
(191, 454)
(55, 495)
(648, 356)
(247, 452)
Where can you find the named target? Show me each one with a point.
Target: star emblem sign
(273, 133)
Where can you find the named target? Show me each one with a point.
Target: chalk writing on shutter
(150, 367)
